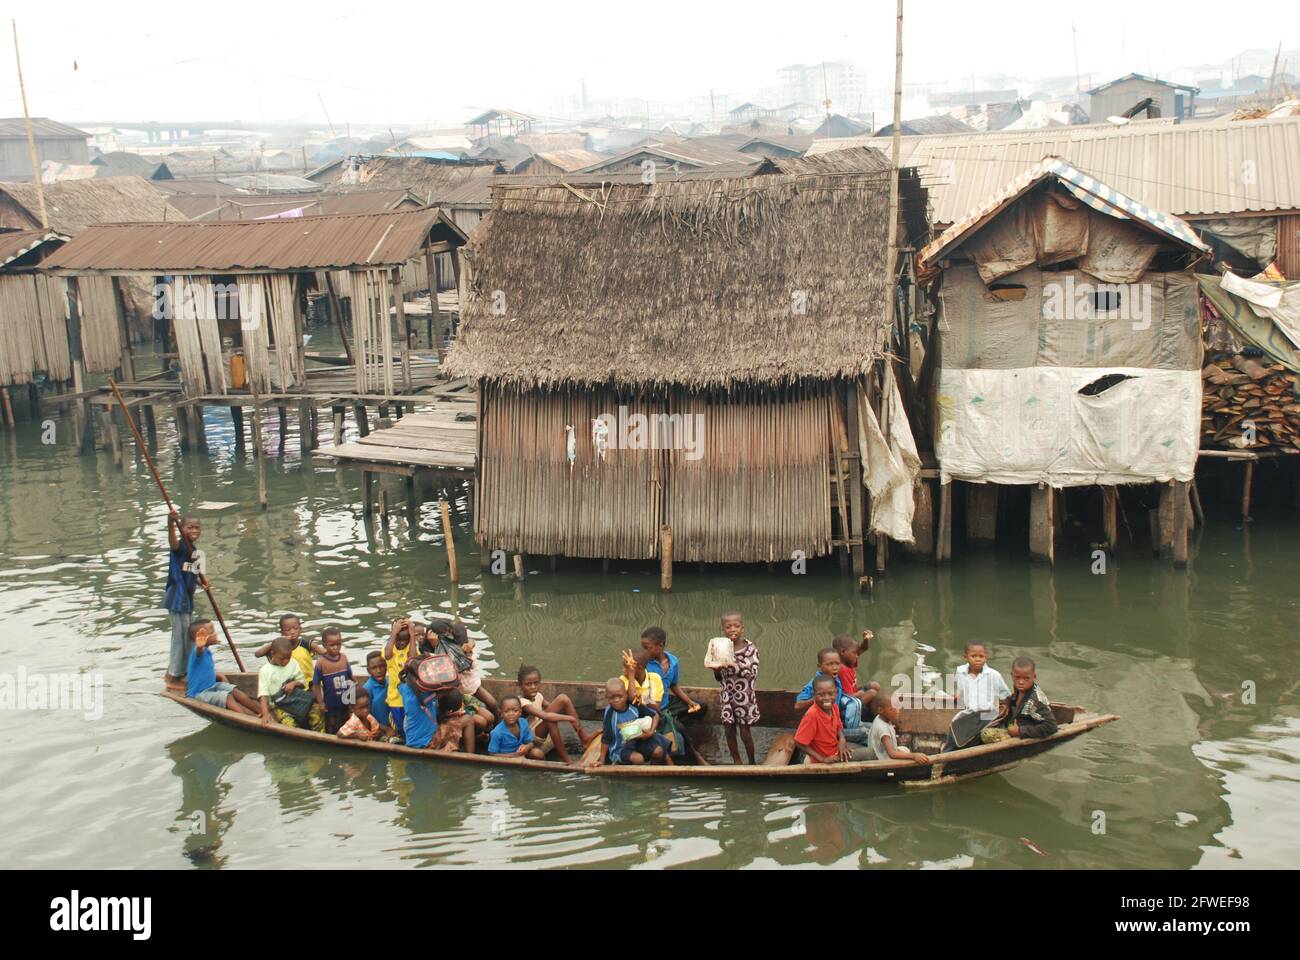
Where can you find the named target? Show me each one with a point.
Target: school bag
(433, 673)
(297, 704)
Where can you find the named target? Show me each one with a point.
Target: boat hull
(917, 722)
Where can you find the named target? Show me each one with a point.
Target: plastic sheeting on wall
(1155, 323)
(1034, 426)
(892, 464)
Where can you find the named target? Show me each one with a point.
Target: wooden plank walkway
(439, 437)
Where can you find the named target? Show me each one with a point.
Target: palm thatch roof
(755, 280)
(427, 178)
(73, 205)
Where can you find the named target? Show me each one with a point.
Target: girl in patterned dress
(739, 696)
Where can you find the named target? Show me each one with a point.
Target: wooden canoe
(920, 727)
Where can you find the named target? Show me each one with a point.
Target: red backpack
(433, 673)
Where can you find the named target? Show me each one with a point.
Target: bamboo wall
(33, 328)
(760, 491)
(532, 500)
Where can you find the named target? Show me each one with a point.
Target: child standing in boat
(184, 575)
(331, 680)
(739, 694)
(396, 652)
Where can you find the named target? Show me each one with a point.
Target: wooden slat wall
(1288, 245)
(254, 327)
(52, 311)
(290, 360)
(101, 326)
(189, 347)
(19, 330)
(372, 330)
(533, 501)
(761, 491)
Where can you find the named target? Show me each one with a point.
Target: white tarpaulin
(892, 464)
(1033, 425)
(1279, 302)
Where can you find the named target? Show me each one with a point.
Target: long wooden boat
(921, 727)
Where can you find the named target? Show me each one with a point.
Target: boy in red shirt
(850, 652)
(821, 731)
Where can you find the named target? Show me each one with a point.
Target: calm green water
(1191, 777)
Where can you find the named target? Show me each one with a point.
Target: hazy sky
(431, 63)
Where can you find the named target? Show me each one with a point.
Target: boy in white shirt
(980, 689)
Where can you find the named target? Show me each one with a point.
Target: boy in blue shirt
(183, 576)
(647, 747)
(204, 683)
(377, 686)
(420, 714)
(512, 737)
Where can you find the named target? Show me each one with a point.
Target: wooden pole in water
(451, 544)
(135, 431)
(666, 560)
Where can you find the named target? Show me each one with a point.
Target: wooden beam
(404, 328)
(1110, 516)
(943, 539)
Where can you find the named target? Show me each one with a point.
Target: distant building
(839, 81)
(926, 126)
(55, 142)
(1115, 97)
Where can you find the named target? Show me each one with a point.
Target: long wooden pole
(31, 137)
(891, 261)
(135, 431)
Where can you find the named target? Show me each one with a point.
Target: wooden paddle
(171, 507)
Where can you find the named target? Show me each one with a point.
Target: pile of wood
(1240, 392)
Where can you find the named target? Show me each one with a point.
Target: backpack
(434, 673)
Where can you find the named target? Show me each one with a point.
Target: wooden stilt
(452, 567)
(383, 507)
(1182, 523)
(1198, 510)
(282, 412)
(519, 567)
(151, 424)
(1042, 524)
(943, 537)
(666, 559)
(304, 428)
(368, 492)
(1246, 484)
(237, 419)
(362, 418)
(338, 423)
(259, 454)
(1110, 516)
(182, 427)
(200, 439)
(982, 512)
(1165, 522)
(8, 408)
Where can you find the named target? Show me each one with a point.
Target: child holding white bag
(739, 680)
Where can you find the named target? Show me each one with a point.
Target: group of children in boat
(425, 689)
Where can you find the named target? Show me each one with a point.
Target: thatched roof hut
(754, 303)
(73, 205)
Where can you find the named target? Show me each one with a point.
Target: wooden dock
(440, 437)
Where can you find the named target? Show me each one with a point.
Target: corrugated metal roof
(1097, 195)
(19, 243)
(41, 127)
(1187, 169)
(306, 243)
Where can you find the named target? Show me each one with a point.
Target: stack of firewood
(1247, 403)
